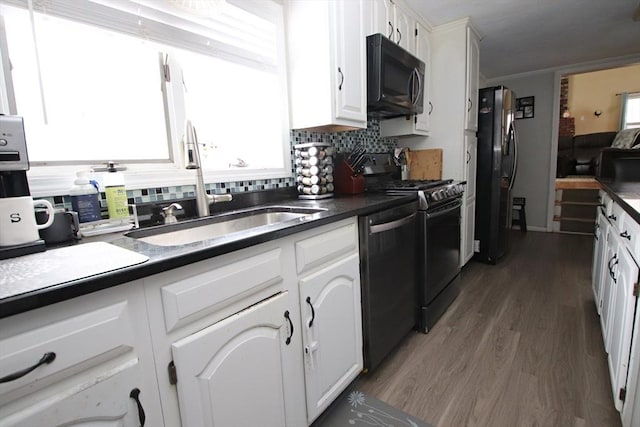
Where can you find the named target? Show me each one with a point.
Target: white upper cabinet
(418, 124)
(404, 31)
(394, 22)
(472, 81)
(327, 64)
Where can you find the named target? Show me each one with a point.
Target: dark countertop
(626, 194)
(163, 258)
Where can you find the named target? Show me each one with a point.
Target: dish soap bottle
(116, 193)
(84, 198)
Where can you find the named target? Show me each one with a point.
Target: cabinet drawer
(315, 251)
(79, 342)
(210, 286)
(630, 235)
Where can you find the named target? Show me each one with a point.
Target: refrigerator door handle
(512, 131)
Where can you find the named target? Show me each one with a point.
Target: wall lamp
(597, 113)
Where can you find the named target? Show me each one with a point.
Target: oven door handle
(453, 207)
(386, 226)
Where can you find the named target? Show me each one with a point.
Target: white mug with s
(18, 220)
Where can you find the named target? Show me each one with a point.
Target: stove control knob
(436, 195)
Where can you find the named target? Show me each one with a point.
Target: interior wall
(534, 145)
(596, 91)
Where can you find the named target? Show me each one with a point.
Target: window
(116, 80)
(632, 111)
(101, 94)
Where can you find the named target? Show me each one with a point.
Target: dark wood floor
(520, 346)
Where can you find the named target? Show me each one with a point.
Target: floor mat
(355, 408)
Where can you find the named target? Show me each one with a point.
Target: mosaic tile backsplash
(343, 142)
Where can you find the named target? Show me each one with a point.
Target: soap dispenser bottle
(116, 193)
(84, 198)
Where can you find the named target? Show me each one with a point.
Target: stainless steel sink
(247, 221)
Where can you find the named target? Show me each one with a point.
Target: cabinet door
(332, 332)
(380, 17)
(423, 52)
(608, 295)
(349, 60)
(473, 70)
(100, 350)
(109, 403)
(471, 161)
(234, 373)
(468, 230)
(599, 240)
(404, 33)
(621, 322)
(631, 409)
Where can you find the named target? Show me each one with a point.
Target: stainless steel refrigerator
(496, 172)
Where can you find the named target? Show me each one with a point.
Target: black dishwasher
(388, 279)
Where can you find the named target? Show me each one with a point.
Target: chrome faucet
(169, 216)
(203, 200)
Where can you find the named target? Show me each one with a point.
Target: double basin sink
(247, 221)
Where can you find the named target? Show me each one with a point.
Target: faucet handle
(221, 198)
(169, 217)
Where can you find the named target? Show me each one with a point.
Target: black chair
(518, 208)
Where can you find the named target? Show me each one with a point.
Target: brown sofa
(580, 154)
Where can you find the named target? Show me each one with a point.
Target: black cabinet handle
(399, 35)
(430, 108)
(613, 217)
(341, 79)
(470, 105)
(45, 360)
(611, 273)
(286, 316)
(135, 395)
(610, 261)
(313, 312)
(626, 235)
(391, 31)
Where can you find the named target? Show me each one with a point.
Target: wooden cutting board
(425, 164)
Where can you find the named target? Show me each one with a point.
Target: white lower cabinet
(218, 342)
(623, 301)
(108, 403)
(332, 332)
(607, 297)
(235, 372)
(228, 337)
(615, 278)
(599, 245)
(97, 365)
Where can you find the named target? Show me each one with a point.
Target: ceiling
(523, 35)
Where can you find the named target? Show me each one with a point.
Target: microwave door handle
(416, 94)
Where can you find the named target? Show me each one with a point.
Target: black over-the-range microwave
(395, 79)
